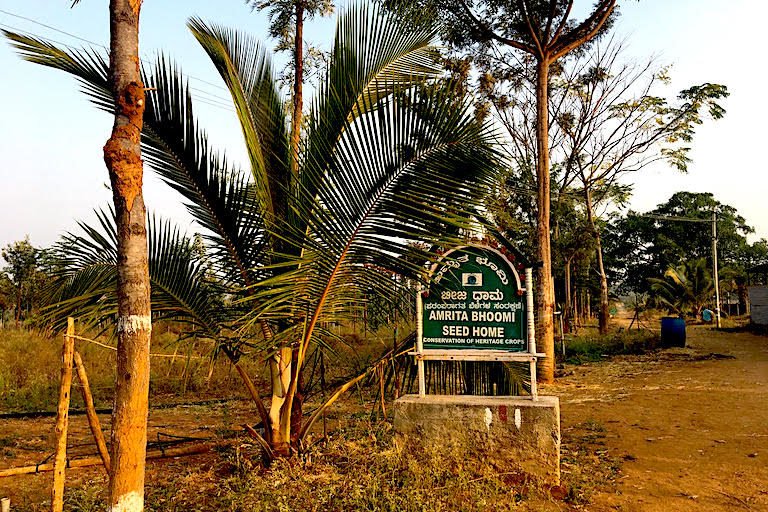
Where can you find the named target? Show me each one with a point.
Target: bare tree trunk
(568, 313)
(297, 403)
(545, 298)
(576, 309)
(298, 85)
(62, 419)
(122, 155)
(603, 315)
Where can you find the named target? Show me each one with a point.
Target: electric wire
(214, 100)
(672, 218)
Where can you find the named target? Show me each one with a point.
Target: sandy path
(691, 430)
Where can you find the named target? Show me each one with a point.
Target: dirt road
(689, 426)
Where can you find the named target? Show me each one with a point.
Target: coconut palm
(684, 289)
(389, 157)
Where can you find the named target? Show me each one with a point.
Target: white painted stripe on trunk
(132, 324)
(131, 502)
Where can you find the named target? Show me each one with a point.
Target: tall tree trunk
(577, 309)
(603, 314)
(568, 313)
(587, 306)
(122, 155)
(297, 403)
(298, 85)
(545, 298)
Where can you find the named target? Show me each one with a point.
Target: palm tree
(684, 289)
(390, 157)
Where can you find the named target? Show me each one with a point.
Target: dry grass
(30, 366)
(363, 467)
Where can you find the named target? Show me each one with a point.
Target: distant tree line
(22, 280)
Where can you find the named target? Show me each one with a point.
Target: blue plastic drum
(672, 331)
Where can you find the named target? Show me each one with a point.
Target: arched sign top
(475, 301)
(441, 263)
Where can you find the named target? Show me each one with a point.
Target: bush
(587, 348)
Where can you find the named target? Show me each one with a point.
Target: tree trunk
(280, 369)
(297, 402)
(603, 314)
(18, 308)
(743, 294)
(576, 309)
(122, 155)
(545, 298)
(587, 306)
(568, 310)
(298, 85)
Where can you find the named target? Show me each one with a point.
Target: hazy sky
(52, 172)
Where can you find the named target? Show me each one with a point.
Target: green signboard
(475, 301)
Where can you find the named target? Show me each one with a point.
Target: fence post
(62, 417)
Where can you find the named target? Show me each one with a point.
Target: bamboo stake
(380, 371)
(5, 505)
(62, 418)
(90, 411)
(96, 461)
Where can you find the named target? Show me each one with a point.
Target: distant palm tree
(684, 289)
(390, 157)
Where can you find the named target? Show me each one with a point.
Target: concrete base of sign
(508, 432)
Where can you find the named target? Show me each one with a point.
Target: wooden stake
(62, 418)
(90, 411)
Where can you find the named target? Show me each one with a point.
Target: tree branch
(588, 29)
(537, 41)
(488, 32)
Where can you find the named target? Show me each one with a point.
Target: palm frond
(374, 55)
(409, 171)
(247, 72)
(219, 197)
(85, 278)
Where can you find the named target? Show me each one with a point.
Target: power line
(79, 38)
(214, 100)
(671, 218)
(51, 28)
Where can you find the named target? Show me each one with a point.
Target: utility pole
(714, 265)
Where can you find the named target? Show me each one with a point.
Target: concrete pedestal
(514, 433)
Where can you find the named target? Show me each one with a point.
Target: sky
(52, 173)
